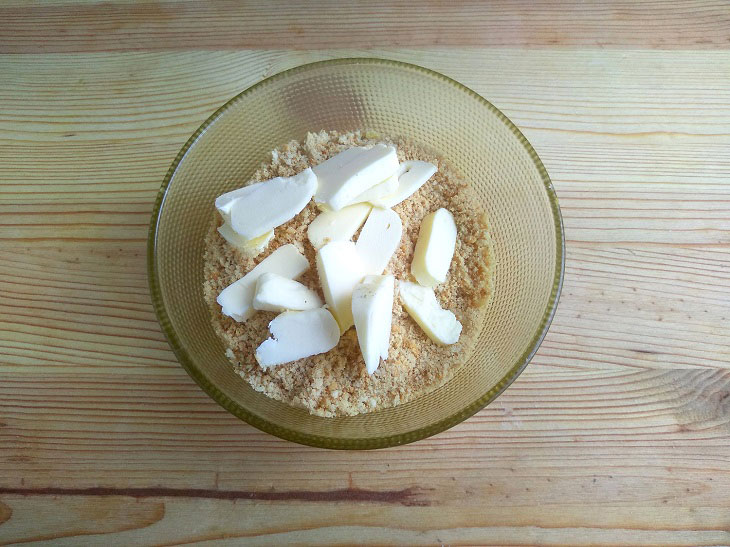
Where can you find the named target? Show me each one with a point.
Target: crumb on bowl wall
(336, 383)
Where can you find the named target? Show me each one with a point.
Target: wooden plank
(639, 453)
(77, 430)
(617, 433)
(653, 132)
(79, 306)
(42, 27)
(639, 456)
(166, 521)
(92, 194)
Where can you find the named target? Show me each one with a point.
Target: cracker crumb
(336, 383)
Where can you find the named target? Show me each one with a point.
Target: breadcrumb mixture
(336, 383)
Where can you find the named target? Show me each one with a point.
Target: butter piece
(379, 239)
(277, 293)
(249, 247)
(434, 249)
(271, 204)
(440, 325)
(337, 225)
(382, 189)
(340, 269)
(412, 174)
(350, 173)
(372, 311)
(224, 202)
(296, 335)
(236, 300)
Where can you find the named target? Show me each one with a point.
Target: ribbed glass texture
(393, 99)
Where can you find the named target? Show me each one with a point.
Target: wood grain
(617, 433)
(43, 27)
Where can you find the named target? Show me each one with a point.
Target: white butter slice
(249, 247)
(379, 239)
(271, 204)
(296, 335)
(434, 248)
(340, 269)
(224, 202)
(372, 310)
(348, 174)
(278, 293)
(412, 174)
(382, 189)
(237, 298)
(440, 325)
(337, 225)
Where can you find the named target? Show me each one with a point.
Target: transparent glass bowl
(390, 98)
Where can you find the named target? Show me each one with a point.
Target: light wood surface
(618, 433)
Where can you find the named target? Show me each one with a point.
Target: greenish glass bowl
(390, 98)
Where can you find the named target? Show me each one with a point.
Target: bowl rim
(364, 442)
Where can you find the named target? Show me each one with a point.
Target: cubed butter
(340, 269)
(379, 239)
(271, 204)
(440, 325)
(350, 173)
(278, 293)
(296, 335)
(434, 248)
(412, 174)
(337, 225)
(236, 300)
(372, 311)
(248, 247)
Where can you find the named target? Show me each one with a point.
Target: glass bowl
(390, 98)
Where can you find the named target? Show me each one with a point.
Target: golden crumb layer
(336, 383)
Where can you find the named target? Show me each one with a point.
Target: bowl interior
(392, 99)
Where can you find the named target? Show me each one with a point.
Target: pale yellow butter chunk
(236, 300)
(249, 247)
(337, 225)
(372, 310)
(434, 249)
(275, 292)
(271, 203)
(440, 325)
(412, 174)
(380, 190)
(224, 202)
(345, 176)
(340, 269)
(379, 239)
(296, 335)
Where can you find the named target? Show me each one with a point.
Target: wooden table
(617, 433)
